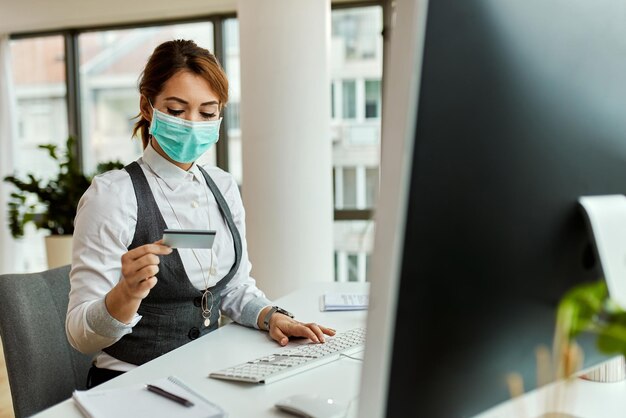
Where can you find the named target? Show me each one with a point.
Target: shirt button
(213, 271)
(197, 301)
(194, 333)
(194, 204)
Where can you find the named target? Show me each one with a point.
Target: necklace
(206, 307)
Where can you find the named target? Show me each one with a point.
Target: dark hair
(168, 59)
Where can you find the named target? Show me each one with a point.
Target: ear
(145, 108)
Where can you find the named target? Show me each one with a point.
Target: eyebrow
(179, 100)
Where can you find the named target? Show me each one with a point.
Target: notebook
(607, 220)
(343, 301)
(136, 401)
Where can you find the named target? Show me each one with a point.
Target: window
(353, 243)
(349, 188)
(103, 86)
(110, 63)
(356, 33)
(356, 106)
(371, 186)
(349, 99)
(372, 99)
(38, 66)
(231, 113)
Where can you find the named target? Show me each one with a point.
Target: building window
(349, 188)
(349, 99)
(356, 106)
(371, 186)
(357, 33)
(353, 267)
(372, 99)
(353, 243)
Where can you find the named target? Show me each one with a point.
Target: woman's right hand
(139, 269)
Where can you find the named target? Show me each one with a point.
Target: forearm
(90, 328)
(120, 304)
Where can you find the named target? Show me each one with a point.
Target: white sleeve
(242, 301)
(103, 229)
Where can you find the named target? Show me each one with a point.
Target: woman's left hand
(282, 327)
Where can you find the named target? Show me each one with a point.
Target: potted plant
(52, 204)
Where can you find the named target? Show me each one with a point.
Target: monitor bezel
(400, 98)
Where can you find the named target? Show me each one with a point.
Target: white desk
(578, 398)
(233, 344)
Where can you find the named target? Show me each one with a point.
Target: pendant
(207, 322)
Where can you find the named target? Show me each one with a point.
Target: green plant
(51, 205)
(588, 308)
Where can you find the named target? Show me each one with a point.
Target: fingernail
(323, 340)
(283, 341)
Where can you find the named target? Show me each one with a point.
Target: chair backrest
(43, 368)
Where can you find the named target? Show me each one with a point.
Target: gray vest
(171, 313)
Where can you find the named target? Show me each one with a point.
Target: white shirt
(104, 229)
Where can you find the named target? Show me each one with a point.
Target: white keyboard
(289, 361)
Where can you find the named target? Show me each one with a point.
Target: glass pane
(349, 99)
(372, 99)
(353, 267)
(349, 188)
(357, 33)
(231, 65)
(110, 65)
(353, 245)
(356, 74)
(38, 66)
(371, 186)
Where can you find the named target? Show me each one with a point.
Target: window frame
(72, 72)
(72, 79)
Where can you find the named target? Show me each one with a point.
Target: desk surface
(233, 344)
(576, 398)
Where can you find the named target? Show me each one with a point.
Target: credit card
(188, 238)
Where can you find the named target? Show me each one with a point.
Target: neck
(159, 150)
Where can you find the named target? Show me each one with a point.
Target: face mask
(182, 140)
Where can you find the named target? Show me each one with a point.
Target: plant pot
(58, 250)
(610, 371)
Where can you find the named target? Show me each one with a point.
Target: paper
(343, 301)
(136, 401)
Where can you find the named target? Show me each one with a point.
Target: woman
(132, 298)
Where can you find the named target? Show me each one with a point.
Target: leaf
(55, 200)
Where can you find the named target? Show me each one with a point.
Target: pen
(169, 395)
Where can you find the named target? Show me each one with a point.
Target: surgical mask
(182, 140)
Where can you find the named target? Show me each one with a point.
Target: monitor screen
(498, 115)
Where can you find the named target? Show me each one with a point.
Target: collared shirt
(104, 229)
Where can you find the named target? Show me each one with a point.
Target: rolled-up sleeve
(242, 301)
(104, 226)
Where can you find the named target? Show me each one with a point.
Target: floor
(6, 407)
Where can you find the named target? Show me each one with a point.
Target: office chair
(43, 368)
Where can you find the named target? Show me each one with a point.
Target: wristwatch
(266, 320)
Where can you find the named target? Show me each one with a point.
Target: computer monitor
(497, 116)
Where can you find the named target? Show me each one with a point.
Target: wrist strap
(272, 311)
